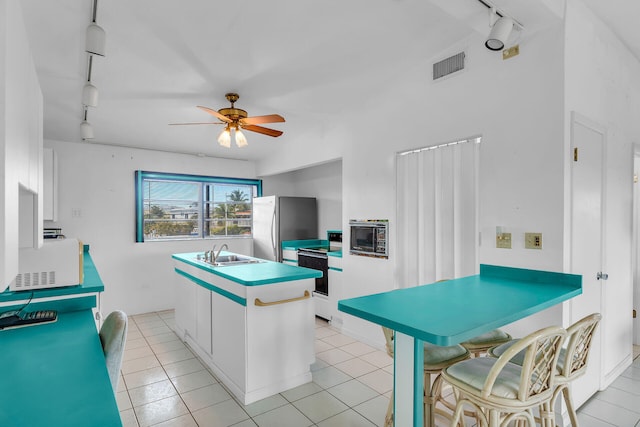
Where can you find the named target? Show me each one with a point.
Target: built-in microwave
(369, 238)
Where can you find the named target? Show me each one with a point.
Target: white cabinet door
(203, 319)
(185, 298)
(50, 185)
(335, 293)
(229, 338)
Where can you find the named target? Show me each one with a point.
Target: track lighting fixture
(499, 34)
(89, 91)
(96, 37)
(501, 27)
(86, 130)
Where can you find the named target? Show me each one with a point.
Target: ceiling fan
(236, 119)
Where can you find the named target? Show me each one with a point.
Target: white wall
(603, 84)
(20, 140)
(516, 105)
(324, 182)
(98, 180)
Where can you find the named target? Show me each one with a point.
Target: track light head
(499, 34)
(89, 95)
(96, 40)
(86, 130)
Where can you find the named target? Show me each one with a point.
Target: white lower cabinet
(228, 319)
(335, 289)
(185, 300)
(203, 319)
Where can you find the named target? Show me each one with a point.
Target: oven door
(316, 262)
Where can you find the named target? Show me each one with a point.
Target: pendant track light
(95, 45)
(96, 37)
(86, 130)
(89, 91)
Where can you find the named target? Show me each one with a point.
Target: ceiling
(622, 17)
(312, 62)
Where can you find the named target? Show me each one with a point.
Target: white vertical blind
(437, 204)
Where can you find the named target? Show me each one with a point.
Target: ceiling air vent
(448, 66)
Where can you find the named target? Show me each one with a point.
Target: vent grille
(448, 66)
(35, 279)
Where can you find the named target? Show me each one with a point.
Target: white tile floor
(164, 384)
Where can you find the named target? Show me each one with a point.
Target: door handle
(602, 276)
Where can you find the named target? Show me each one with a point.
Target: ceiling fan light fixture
(86, 130)
(241, 140)
(90, 95)
(96, 40)
(225, 138)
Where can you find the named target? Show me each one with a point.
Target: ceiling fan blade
(260, 129)
(255, 120)
(196, 123)
(215, 114)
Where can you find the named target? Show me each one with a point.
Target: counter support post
(408, 378)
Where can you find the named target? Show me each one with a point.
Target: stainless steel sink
(227, 260)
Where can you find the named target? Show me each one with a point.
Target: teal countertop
(294, 245)
(55, 375)
(91, 284)
(262, 273)
(450, 312)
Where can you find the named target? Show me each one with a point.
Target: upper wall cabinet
(50, 185)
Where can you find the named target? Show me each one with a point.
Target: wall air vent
(448, 66)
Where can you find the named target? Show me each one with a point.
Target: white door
(587, 255)
(636, 244)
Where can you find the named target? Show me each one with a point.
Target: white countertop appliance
(57, 263)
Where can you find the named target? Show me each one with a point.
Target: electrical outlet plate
(503, 240)
(533, 240)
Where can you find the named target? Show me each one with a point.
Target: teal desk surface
(453, 311)
(55, 375)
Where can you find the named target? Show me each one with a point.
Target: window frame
(141, 176)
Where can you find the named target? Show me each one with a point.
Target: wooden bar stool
(500, 391)
(436, 358)
(576, 350)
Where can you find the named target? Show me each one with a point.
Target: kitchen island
(251, 321)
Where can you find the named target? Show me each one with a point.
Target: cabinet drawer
(335, 263)
(290, 255)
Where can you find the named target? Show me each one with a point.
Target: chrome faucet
(217, 254)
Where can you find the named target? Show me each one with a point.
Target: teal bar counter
(55, 374)
(450, 312)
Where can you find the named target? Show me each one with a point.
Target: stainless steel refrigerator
(282, 218)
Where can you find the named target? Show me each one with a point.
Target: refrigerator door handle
(273, 237)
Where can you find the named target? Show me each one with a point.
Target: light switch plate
(503, 240)
(533, 240)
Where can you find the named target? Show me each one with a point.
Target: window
(178, 207)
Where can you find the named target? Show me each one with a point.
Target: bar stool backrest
(541, 352)
(579, 338)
